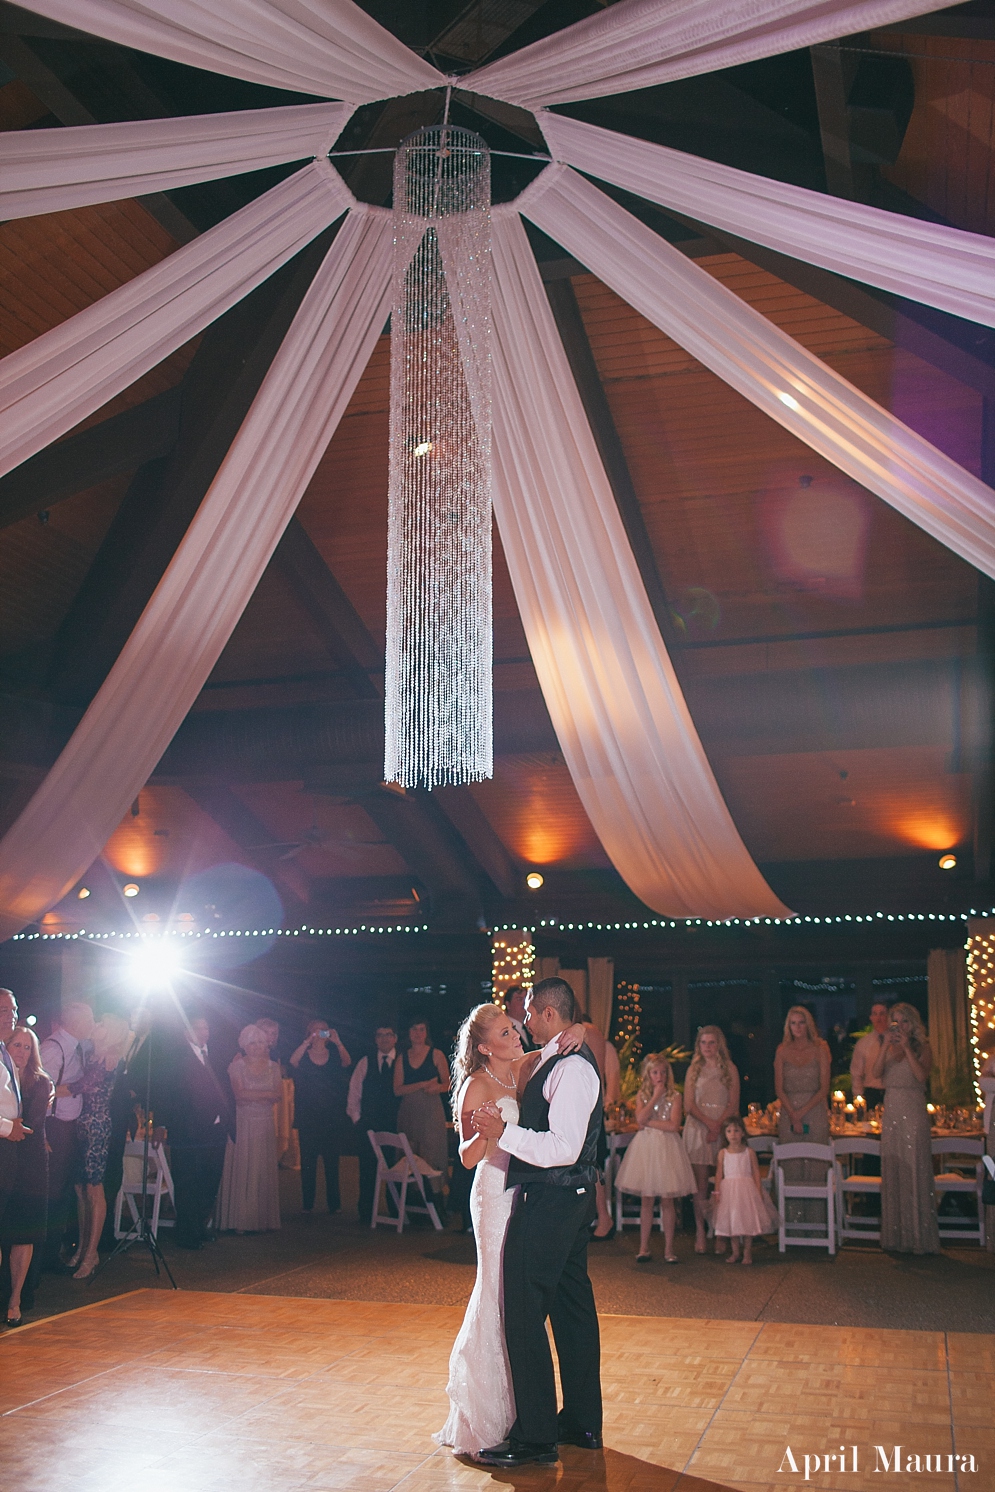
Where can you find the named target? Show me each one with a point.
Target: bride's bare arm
(472, 1147)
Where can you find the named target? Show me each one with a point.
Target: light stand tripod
(141, 1229)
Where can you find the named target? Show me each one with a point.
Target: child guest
(742, 1210)
(656, 1163)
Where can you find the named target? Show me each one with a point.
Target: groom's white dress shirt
(571, 1089)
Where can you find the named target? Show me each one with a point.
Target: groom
(554, 1159)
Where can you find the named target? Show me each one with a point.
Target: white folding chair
(625, 1202)
(824, 1233)
(851, 1184)
(965, 1177)
(160, 1184)
(408, 1170)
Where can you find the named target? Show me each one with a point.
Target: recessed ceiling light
(533, 880)
(131, 889)
(83, 893)
(948, 862)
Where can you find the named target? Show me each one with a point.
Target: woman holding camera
(908, 1198)
(321, 1083)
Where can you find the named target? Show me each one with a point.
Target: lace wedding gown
(482, 1408)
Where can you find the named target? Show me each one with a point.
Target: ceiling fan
(316, 838)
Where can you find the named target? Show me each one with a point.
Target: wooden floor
(204, 1392)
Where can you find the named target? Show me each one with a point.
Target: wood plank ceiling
(837, 660)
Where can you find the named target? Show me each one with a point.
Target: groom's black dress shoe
(588, 1440)
(518, 1453)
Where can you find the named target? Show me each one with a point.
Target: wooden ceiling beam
(242, 826)
(471, 823)
(117, 445)
(433, 851)
(329, 608)
(216, 393)
(577, 346)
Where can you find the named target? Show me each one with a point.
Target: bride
(488, 1067)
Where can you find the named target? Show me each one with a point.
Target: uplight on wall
(533, 880)
(131, 889)
(948, 862)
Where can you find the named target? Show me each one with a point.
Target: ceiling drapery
(53, 170)
(333, 48)
(640, 43)
(610, 688)
(928, 262)
(63, 376)
(767, 366)
(327, 47)
(207, 585)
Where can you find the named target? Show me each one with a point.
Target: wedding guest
(514, 1004)
(741, 1210)
(908, 1197)
(711, 1096)
(13, 1130)
(110, 1038)
(604, 1227)
(801, 1080)
(420, 1077)
(986, 1082)
(189, 1101)
(372, 1104)
(249, 1200)
(271, 1030)
(127, 1095)
(655, 1163)
(865, 1053)
(320, 1065)
(23, 1228)
(62, 1056)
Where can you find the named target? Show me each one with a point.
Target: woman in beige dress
(802, 1065)
(249, 1200)
(908, 1196)
(711, 1096)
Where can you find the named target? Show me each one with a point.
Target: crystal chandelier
(438, 708)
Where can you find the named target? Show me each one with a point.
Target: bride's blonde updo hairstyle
(467, 1056)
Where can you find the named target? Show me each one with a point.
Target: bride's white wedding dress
(482, 1407)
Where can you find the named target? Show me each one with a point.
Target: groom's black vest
(534, 1114)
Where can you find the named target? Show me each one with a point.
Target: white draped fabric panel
(327, 47)
(610, 688)
(66, 374)
(928, 262)
(639, 43)
(767, 366)
(184, 628)
(52, 170)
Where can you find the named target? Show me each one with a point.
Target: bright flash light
(155, 963)
(533, 880)
(83, 893)
(131, 889)
(423, 447)
(789, 401)
(30, 1020)
(948, 862)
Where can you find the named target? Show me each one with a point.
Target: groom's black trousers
(545, 1274)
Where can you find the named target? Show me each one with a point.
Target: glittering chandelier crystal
(438, 706)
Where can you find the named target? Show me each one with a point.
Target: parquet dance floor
(198, 1392)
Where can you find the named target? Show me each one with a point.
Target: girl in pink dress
(742, 1210)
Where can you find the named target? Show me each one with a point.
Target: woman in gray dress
(420, 1078)
(249, 1199)
(908, 1197)
(802, 1066)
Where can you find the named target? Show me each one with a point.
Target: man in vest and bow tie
(555, 1153)
(371, 1104)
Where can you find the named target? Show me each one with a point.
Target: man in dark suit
(371, 1105)
(190, 1103)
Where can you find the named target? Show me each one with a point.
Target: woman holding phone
(321, 1082)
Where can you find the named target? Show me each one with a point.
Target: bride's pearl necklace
(510, 1086)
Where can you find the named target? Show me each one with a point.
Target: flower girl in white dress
(487, 1066)
(656, 1163)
